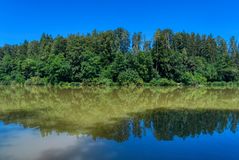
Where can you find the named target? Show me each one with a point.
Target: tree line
(116, 57)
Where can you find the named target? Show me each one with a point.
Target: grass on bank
(126, 81)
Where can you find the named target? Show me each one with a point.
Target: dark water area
(118, 124)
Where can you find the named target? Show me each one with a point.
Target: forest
(118, 57)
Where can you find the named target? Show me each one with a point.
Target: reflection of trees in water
(167, 124)
(23, 97)
(74, 111)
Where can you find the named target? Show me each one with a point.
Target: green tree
(137, 42)
(122, 40)
(90, 67)
(57, 69)
(234, 51)
(129, 77)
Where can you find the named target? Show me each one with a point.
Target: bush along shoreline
(116, 57)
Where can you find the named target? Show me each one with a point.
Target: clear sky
(28, 19)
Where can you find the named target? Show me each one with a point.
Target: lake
(88, 123)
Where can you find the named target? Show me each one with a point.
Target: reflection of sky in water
(27, 144)
(17, 143)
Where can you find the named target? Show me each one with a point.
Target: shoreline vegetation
(116, 58)
(76, 85)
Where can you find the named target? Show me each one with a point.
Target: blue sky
(28, 19)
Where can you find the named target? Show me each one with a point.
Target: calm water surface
(38, 123)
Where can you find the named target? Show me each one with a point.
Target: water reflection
(167, 124)
(117, 123)
(118, 113)
(26, 144)
(173, 132)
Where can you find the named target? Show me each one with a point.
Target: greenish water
(118, 123)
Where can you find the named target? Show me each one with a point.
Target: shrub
(98, 81)
(129, 77)
(36, 81)
(6, 80)
(75, 84)
(69, 84)
(223, 84)
(163, 82)
(193, 79)
(19, 78)
(104, 81)
(228, 74)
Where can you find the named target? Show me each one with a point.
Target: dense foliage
(116, 57)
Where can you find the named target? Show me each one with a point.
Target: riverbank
(163, 83)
